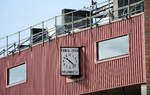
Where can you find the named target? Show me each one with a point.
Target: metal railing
(99, 13)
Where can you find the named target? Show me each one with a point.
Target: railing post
(19, 40)
(72, 22)
(7, 44)
(14, 47)
(90, 18)
(109, 14)
(31, 38)
(86, 21)
(4, 52)
(43, 32)
(128, 11)
(55, 22)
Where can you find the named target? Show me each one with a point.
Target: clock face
(69, 61)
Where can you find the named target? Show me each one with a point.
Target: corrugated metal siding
(43, 62)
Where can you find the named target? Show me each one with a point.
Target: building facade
(114, 60)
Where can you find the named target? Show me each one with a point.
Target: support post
(19, 41)
(56, 24)
(43, 32)
(7, 44)
(90, 18)
(72, 22)
(31, 35)
(115, 9)
(109, 14)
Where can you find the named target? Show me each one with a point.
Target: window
(16, 74)
(112, 47)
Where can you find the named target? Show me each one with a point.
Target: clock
(69, 61)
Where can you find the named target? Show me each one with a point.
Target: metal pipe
(43, 32)
(56, 24)
(109, 10)
(4, 52)
(14, 47)
(19, 40)
(7, 43)
(128, 7)
(72, 22)
(31, 35)
(90, 18)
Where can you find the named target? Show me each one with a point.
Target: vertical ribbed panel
(43, 62)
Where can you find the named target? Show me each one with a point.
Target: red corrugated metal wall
(43, 62)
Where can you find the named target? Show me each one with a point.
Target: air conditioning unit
(123, 8)
(77, 16)
(38, 35)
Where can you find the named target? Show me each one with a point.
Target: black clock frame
(60, 63)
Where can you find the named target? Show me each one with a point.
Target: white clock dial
(69, 61)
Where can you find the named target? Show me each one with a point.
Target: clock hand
(69, 60)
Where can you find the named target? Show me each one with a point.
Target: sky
(16, 15)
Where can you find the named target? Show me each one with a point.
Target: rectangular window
(16, 74)
(112, 47)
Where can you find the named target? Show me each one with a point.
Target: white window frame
(18, 82)
(113, 57)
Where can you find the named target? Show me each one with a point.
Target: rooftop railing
(100, 12)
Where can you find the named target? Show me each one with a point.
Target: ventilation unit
(38, 35)
(76, 17)
(127, 7)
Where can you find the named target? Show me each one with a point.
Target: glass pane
(113, 47)
(16, 74)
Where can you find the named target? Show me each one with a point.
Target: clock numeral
(66, 66)
(74, 65)
(69, 67)
(66, 55)
(75, 58)
(69, 54)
